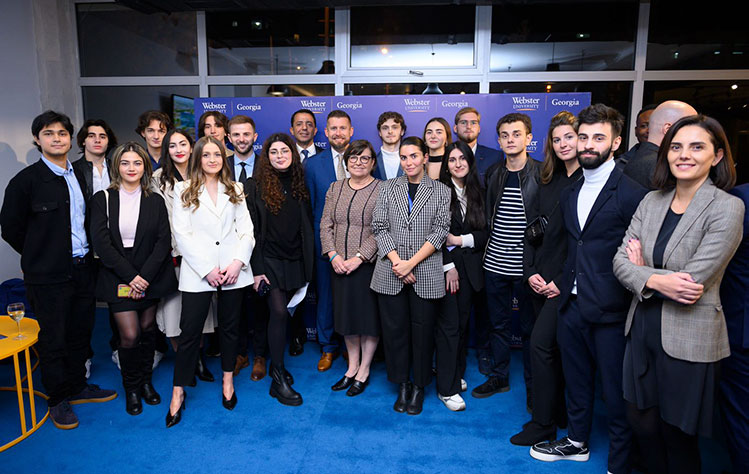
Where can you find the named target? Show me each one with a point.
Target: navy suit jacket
(230, 162)
(379, 172)
(485, 158)
(734, 290)
(319, 173)
(590, 251)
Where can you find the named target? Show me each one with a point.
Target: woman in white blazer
(213, 231)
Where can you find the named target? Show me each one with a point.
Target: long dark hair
(552, 162)
(269, 184)
(723, 174)
(473, 192)
(168, 168)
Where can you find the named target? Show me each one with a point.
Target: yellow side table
(11, 347)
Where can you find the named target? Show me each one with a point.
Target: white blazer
(211, 236)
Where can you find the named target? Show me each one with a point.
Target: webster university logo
(417, 105)
(524, 104)
(316, 106)
(215, 106)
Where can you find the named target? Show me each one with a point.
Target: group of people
(403, 244)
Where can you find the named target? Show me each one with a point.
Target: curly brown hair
(269, 184)
(191, 194)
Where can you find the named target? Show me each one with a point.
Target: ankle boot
(416, 401)
(404, 393)
(201, 370)
(280, 388)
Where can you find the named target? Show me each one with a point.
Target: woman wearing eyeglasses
(347, 240)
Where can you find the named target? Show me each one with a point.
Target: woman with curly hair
(284, 254)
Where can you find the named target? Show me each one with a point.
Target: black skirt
(354, 304)
(285, 274)
(683, 391)
(127, 304)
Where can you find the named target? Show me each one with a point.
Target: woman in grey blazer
(672, 259)
(410, 223)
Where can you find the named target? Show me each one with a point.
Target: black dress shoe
(342, 384)
(280, 388)
(230, 403)
(201, 370)
(149, 394)
(296, 346)
(404, 392)
(357, 388)
(172, 420)
(132, 403)
(416, 402)
(534, 433)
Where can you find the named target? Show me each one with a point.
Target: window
(289, 90)
(418, 88)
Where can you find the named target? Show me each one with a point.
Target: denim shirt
(77, 207)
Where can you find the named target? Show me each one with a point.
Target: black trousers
(734, 405)
(65, 312)
(254, 313)
(468, 298)
(586, 347)
(194, 311)
(408, 335)
(447, 343)
(546, 364)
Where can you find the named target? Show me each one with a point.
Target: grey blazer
(395, 229)
(702, 244)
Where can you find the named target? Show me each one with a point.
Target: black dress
(683, 391)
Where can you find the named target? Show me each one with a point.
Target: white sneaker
(157, 356)
(463, 385)
(453, 402)
(88, 368)
(116, 358)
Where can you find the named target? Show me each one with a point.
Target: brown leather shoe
(242, 362)
(258, 369)
(326, 360)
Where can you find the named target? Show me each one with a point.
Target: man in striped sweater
(511, 185)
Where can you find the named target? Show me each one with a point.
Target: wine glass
(17, 311)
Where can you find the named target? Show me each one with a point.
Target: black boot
(201, 370)
(280, 388)
(131, 376)
(416, 401)
(404, 393)
(147, 346)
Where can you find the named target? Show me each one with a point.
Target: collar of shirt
(250, 161)
(311, 150)
(58, 170)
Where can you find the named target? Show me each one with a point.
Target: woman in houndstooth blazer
(410, 223)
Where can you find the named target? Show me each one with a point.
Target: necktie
(243, 174)
(305, 154)
(340, 172)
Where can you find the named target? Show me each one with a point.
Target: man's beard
(589, 163)
(246, 151)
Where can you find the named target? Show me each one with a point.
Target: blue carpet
(329, 433)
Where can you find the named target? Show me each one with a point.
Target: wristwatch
(360, 256)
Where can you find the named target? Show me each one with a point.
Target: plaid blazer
(702, 244)
(397, 229)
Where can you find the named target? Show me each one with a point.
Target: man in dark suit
(734, 381)
(642, 126)
(391, 127)
(242, 136)
(642, 165)
(593, 305)
(303, 129)
(44, 219)
(319, 172)
(467, 127)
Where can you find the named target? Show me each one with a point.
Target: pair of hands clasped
(539, 285)
(227, 276)
(403, 269)
(138, 287)
(345, 267)
(678, 286)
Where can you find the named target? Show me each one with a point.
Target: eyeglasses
(463, 123)
(363, 159)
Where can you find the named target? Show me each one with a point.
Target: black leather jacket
(496, 177)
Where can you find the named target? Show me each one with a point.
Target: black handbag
(534, 231)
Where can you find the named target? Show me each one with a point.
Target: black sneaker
(63, 417)
(490, 387)
(559, 450)
(92, 394)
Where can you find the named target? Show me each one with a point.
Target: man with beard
(319, 172)
(242, 136)
(391, 127)
(593, 305)
(467, 127)
(303, 129)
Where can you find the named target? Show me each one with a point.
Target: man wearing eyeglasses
(467, 127)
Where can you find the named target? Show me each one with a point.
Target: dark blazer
(734, 291)
(468, 261)
(259, 215)
(485, 158)
(590, 251)
(87, 169)
(379, 171)
(642, 165)
(319, 173)
(230, 162)
(35, 221)
(151, 257)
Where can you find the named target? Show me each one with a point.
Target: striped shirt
(504, 254)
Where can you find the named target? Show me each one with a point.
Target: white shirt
(593, 182)
(100, 180)
(467, 239)
(391, 160)
(311, 150)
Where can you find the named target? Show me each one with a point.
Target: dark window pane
(412, 36)
(291, 90)
(116, 41)
(713, 36)
(564, 36)
(420, 88)
(271, 42)
(121, 106)
(719, 100)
